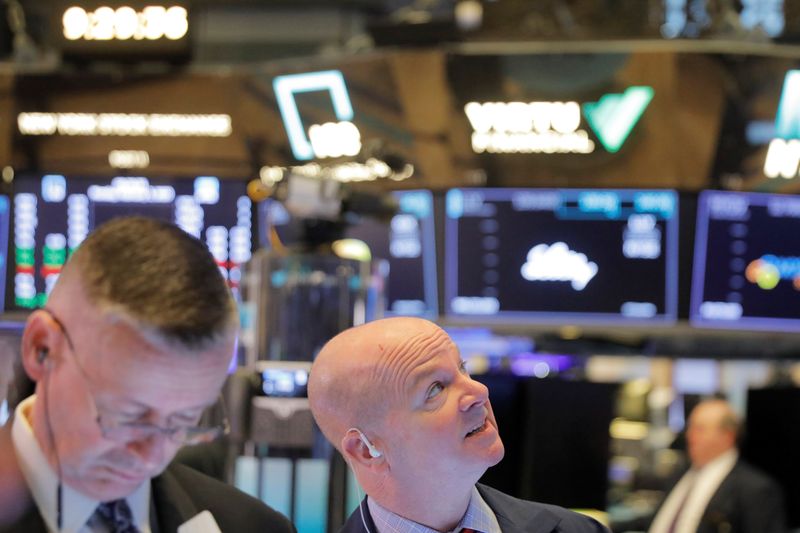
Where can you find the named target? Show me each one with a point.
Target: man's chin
(109, 487)
(496, 453)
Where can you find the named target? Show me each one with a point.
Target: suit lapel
(718, 511)
(31, 522)
(172, 504)
(514, 516)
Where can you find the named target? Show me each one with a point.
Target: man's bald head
(355, 377)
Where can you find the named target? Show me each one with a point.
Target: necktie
(118, 515)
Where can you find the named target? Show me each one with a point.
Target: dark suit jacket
(747, 501)
(514, 516)
(180, 493)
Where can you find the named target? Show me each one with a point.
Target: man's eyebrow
(420, 375)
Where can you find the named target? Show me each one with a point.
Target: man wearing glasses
(131, 349)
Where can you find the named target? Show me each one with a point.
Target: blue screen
(747, 262)
(4, 227)
(561, 255)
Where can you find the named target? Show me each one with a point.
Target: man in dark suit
(720, 493)
(133, 346)
(394, 398)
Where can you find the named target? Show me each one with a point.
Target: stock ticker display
(747, 261)
(550, 255)
(54, 213)
(407, 242)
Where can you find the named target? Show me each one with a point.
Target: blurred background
(595, 198)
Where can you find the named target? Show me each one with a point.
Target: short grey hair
(157, 277)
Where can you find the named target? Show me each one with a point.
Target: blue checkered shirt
(479, 516)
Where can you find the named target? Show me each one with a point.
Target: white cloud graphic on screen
(557, 262)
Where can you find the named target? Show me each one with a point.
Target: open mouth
(477, 429)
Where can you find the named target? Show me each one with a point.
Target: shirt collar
(479, 516)
(42, 481)
(723, 463)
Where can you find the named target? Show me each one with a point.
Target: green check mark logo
(613, 116)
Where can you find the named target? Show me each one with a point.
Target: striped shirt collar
(479, 516)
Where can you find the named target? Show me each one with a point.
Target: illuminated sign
(331, 139)
(123, 23)
(128, 159)
(613, 116)
(554, 127)
(532, 127)
(783, 154)
(125, 124)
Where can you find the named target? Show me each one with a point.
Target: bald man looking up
(394, 398)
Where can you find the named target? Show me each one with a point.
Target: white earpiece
(373, 451)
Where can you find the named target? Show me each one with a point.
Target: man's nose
(150, 449)
(476, 395)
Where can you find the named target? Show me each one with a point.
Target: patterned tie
(118, 515)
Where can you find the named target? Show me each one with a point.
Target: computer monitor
(53, 213)
(561, 255)
(4, 228)
(746, 271)
(407, 242)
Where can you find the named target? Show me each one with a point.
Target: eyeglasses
(112, 428)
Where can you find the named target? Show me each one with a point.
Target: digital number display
(53, 214)
(123, 23)
(556, 255)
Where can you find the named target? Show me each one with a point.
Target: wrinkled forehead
(403, 357)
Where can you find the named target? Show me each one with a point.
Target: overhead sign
(123, 23)
(122, 30)
(555, 127)
(330, 139)
(125, 124)
(613, 116)
(783, 154)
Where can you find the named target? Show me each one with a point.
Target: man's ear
(38, 336)
(356, 451)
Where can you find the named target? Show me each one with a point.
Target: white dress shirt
(479, 516)
(42, 482)
(703, 483)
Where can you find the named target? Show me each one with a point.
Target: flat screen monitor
(561, 255)
(54, 213)
(747, 262)
(4, 228)
(407, 242)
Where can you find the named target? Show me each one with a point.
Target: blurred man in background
(394, 398)
(720, 492)
(133, 346)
